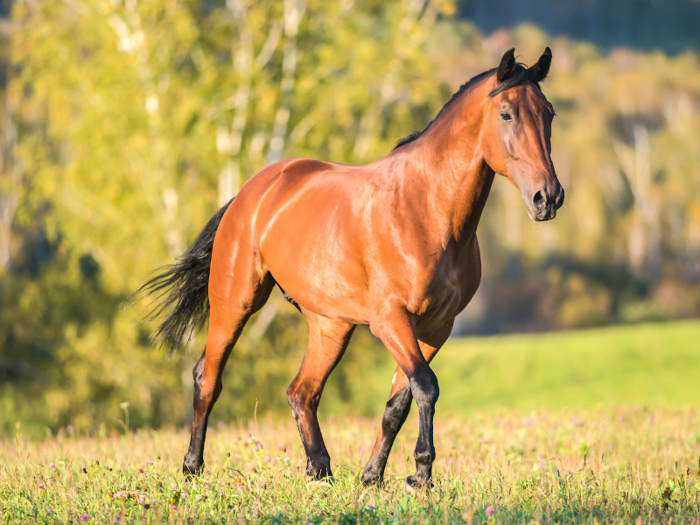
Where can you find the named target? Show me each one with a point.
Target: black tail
(185, 285)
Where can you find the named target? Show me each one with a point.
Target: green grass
(653, 364)
(623, 466)
(635, 365)
(578, 427)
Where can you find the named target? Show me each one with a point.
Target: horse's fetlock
(424, 456)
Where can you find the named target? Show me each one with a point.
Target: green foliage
(69, 356)
(134, 121)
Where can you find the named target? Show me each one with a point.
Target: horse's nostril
(540, 199)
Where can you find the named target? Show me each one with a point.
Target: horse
(391, 244)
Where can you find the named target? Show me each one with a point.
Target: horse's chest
(451, 286)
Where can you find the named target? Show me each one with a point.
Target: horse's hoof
(414, 486)
(319, 473)
(194, 469)
(370, 481)
(370, 477)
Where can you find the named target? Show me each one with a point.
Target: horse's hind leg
(327, 342)
(225, 326)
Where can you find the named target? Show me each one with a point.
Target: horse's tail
(184, 285)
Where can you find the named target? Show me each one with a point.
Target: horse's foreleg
(398, 407)
(396, 330)
(327, 342)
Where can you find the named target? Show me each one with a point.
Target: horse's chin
(547, 214)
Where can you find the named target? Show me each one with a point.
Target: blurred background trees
(124, 125)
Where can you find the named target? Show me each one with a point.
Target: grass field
(621, 466)
(654, 364)
(529, 429)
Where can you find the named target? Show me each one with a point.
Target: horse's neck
(456, 176)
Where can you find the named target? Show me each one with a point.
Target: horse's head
(516, 134)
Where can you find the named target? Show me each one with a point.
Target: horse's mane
(519, 76)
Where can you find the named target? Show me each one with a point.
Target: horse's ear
(507, 65)
(541, 68)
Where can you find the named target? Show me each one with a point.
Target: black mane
(519, 76)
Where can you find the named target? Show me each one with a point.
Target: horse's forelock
(520, 75)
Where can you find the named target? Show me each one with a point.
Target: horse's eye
(505, 117)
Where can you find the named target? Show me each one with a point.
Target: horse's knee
(424, 387)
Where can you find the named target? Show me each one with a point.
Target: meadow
(574, 448)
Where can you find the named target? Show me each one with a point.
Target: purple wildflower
(371, 507)
(174, 507)
(207, 487)
(51, 511)
(268, 458)
(41, 485)
(489, 510)
(51, 465)
(123, 486)
(174, 486)
(150, 463)
(142, 499)
(84, 517)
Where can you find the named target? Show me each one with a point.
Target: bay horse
(391, 244)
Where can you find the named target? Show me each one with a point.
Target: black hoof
(192, 468)
(319, 473)
(415, 485)
(372, 478)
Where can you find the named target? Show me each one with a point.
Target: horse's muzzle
(544, 204)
